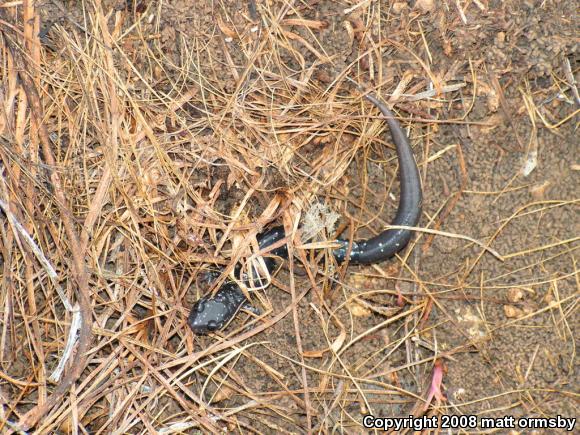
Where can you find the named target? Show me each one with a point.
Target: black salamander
(211, 313)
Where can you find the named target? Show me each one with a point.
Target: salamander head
(211, 314)
(206, 316)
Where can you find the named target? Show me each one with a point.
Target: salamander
(212, 313)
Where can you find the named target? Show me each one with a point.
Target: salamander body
(212, 313)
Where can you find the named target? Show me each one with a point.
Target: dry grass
(115, 159)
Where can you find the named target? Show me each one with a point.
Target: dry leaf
(339, 341)
(358, 310)
(314, 353)
(223, 393)
(226, 30)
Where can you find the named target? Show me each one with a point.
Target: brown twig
(79, 272)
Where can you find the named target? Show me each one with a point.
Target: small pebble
(425, 5)
(357, 310)
(512, 312)
(499, 40)
(538, 191)
(528, 309)
(515, 294)
(398, 7)
(459, 394)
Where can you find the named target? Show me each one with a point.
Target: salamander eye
(199, 306)
(212, 325)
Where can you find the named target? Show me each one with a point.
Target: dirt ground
(219, 118)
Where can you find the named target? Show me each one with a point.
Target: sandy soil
(366, 340)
